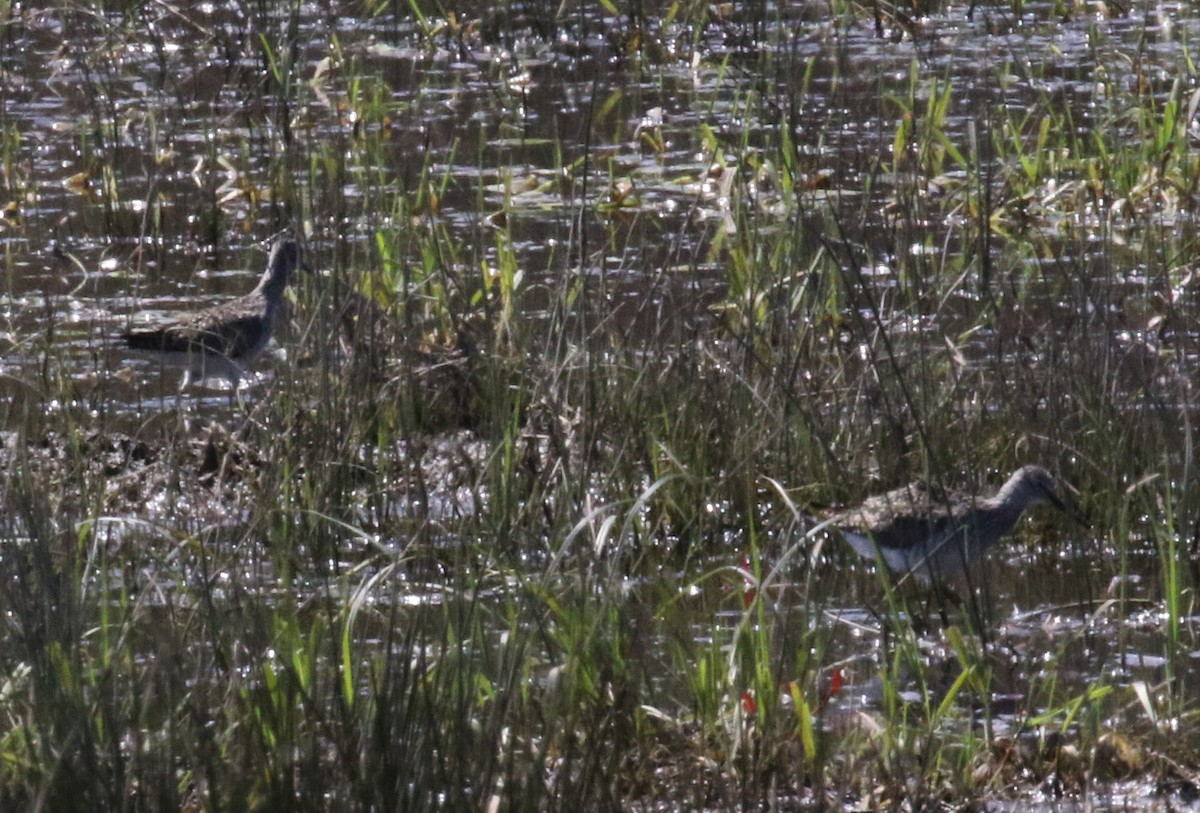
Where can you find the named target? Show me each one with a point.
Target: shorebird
(220, 341)
(934, 534)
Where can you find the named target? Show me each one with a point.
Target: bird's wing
(912, 514)
(901, 532)
(231, 338)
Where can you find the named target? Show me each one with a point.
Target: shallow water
(149, 152)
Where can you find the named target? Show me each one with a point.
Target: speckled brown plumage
(933, 533)
(221, 340)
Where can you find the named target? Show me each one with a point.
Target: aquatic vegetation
(608, 305)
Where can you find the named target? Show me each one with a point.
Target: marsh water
(149, 149)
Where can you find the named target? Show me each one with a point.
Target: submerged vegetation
(607, 303)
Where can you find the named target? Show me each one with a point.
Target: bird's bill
(1069, 509)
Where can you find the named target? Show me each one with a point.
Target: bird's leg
(978, 608)
(235, 383)
(946, 597)
(183, 385)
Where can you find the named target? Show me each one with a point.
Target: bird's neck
(271, 286)
(1000, 513)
